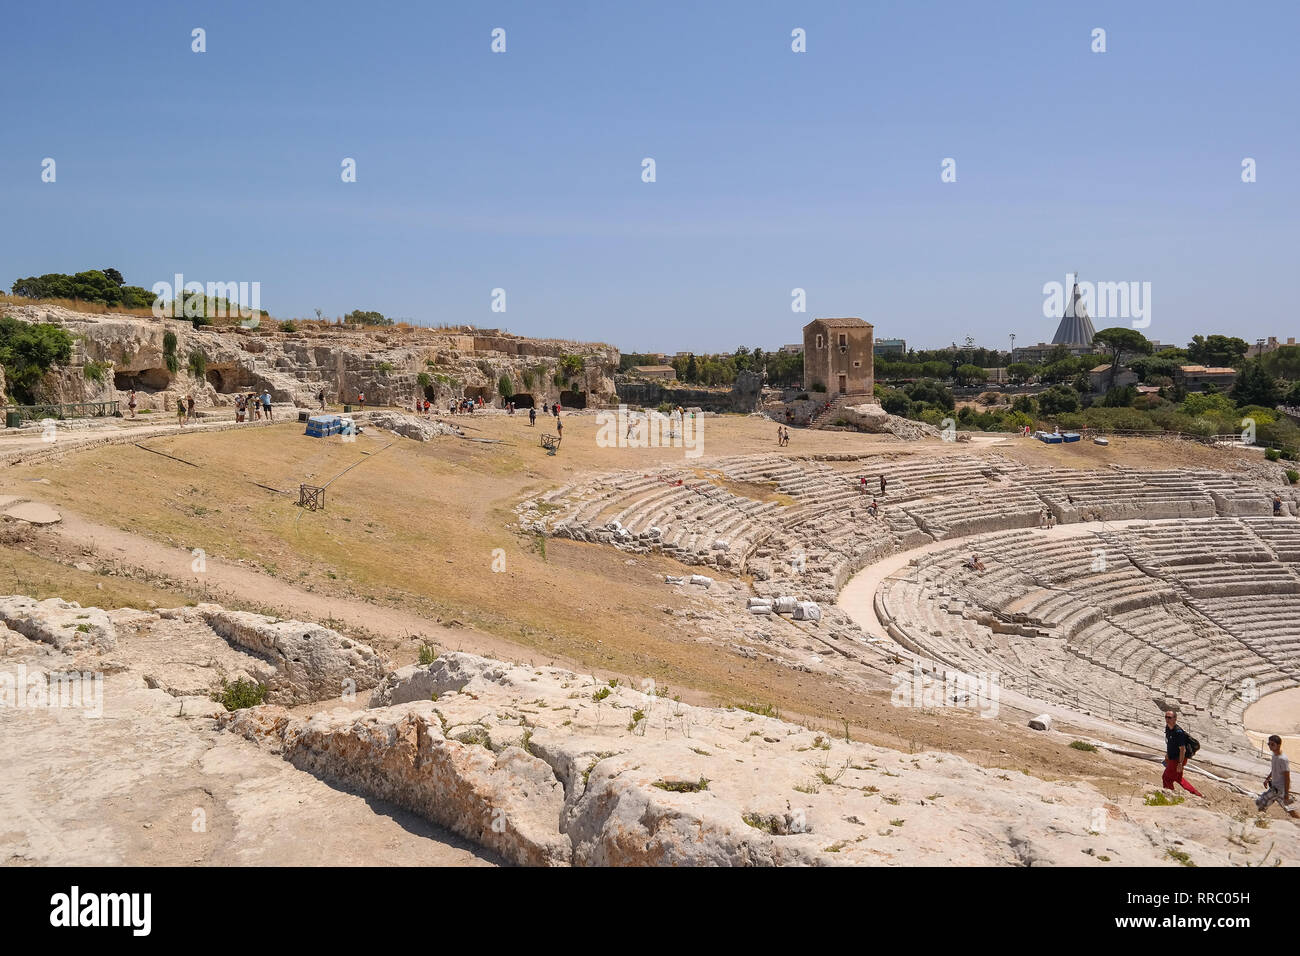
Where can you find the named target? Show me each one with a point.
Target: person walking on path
(1178, 749)
(266, 404)
(130, 403)
(320, 397)
(189, 409)
(180, 413)
(882, 486)
(532, 416)
(1277, 785)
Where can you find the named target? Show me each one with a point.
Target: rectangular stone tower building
(838, 353)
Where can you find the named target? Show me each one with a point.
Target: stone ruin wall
(384, 363)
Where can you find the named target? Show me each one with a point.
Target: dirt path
(225, 582)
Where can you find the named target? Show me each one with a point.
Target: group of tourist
(1046, 519)
(782, 435)
(862, 485)
(253, 407)
(464, 406)
(1180, 747)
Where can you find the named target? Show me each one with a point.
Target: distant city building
(889, 348)
(792, 349)
(1099, 378)
(665, 372)
(837, 353)
(1195, 377)
(1270, 345)
(1039, 352)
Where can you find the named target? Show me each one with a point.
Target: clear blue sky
(522, 170)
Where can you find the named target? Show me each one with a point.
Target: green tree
(1020, 372)
(1254, 386)
(360, 317)
(1217, 350)
(28, 351)
(1058, 399)
(1118, 342)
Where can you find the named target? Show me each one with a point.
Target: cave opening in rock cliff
(145, 380)
(522, 400)
(573, 399)
(229, 378)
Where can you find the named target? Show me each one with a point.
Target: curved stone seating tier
(1280, 535)
(1187, 607)
(1195, 542)
(1186, 625)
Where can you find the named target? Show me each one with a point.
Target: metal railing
(32, 413)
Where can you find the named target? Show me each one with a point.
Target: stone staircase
(828, 416)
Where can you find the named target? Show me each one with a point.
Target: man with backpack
(1180, 747)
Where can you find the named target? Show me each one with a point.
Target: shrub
(1292, 475)
(895, 402)
(359, 317)
(242, 693)
(427, 654)
(505, 387)
(932, 393)
(683, 786)
(1014, 421)
(571, 365)
(28, 351)
(1198, 403)
(1058, 399)
(1272, 454)
(95, 371)
(198, 364)
(288, 326)
(423, 380)
(763, 710)
(1162, 799)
